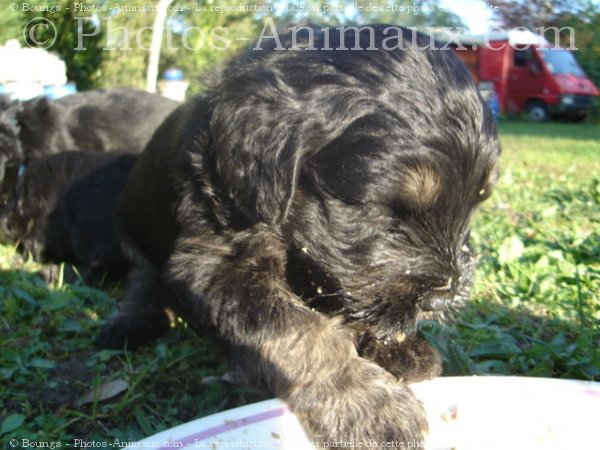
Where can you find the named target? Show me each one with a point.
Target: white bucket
(464, 413)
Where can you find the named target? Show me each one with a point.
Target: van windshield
(561, 62)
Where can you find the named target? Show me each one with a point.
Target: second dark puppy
(62, 209)
(104, 120)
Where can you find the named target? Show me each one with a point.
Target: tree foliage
(191, 39)
(83, 66)
(16, 23)
(532, 14)
(107, 43)
(199, 38)
(586, 24)
(11, 24)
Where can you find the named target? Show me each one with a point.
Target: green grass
(535, 311)
(49, 364)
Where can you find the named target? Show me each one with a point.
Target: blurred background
(125, 29)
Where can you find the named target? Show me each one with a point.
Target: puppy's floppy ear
(259, 152)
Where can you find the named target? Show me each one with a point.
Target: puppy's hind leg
(143, 315)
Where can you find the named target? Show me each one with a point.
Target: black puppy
(96, 121)
(312, 207)
(62, 209)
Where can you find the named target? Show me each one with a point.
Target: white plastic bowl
(474, 413)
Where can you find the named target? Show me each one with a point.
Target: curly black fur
(62, 209)
(312, 207)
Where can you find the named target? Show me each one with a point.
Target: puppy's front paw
(361, 403)
(409, 360)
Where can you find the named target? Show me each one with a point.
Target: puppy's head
(370, 162)
(385, 234)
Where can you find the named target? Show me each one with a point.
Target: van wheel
(537, 111)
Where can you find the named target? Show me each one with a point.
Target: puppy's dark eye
(400, 211)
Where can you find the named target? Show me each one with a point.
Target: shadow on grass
(49, 363)
(53, 378)
(489, 338)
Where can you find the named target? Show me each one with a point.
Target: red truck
(529, 75)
